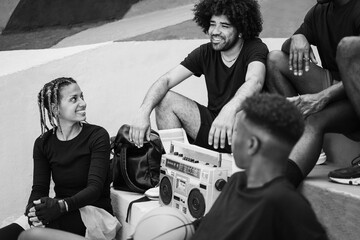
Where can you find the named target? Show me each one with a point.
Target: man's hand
(300, 54)
(309, 103)
(222, 127)
(139, 129)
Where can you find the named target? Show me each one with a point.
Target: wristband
(63, 206)
(66, 206)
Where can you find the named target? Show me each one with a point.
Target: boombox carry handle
(197, 152)
(125, 174)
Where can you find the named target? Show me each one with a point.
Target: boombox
(191, 178)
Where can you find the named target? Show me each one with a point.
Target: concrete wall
(31, 14)
(114, 80)
(6, 9)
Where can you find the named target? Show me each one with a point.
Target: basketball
(164, 223)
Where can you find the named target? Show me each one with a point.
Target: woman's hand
(46, 210)
(33, 220)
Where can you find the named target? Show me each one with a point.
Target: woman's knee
(46, 233)
(32, 234)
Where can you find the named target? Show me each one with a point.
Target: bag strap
(123, 167)
(142, 199)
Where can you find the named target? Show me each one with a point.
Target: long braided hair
(48, 95)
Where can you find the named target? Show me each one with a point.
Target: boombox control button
(176, 153)
(181, 155)
(219, 184)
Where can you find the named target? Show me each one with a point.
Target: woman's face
(72, 107)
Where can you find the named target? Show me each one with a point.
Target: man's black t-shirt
(222, 82)
(325, 25)
(275, 211)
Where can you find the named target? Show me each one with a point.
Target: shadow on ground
(29, 15)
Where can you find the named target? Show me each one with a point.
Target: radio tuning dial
(219, 184)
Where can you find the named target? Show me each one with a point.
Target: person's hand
(308, 103)
(221, 128)
(46, 210)
(300, 54)
(33, 219)
(30, 212)
(27, 210)
(140, 129)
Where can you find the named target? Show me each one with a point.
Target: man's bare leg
(279, 79)
(348, 60)
(338, 117)
(176, 111)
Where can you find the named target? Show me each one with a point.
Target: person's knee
(34, 233)
(275, 60)
(347, 49)
(165, 103)
(275, 66)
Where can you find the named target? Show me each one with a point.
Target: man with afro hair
(233, 64)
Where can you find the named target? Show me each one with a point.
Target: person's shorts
(207, 117)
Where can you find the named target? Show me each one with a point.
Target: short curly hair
(245, 15)
(276, 115)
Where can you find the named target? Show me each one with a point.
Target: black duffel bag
(135, 169)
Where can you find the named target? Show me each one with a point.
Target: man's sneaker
(349, 175)
(322, 158)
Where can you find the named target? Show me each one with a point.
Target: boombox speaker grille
(196, 203)
(165, 190)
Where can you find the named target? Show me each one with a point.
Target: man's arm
(140, 126)
(286, 46)
(223, 123)
(298, 46)
(312, 103)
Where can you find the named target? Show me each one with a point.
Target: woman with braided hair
(75, 155)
